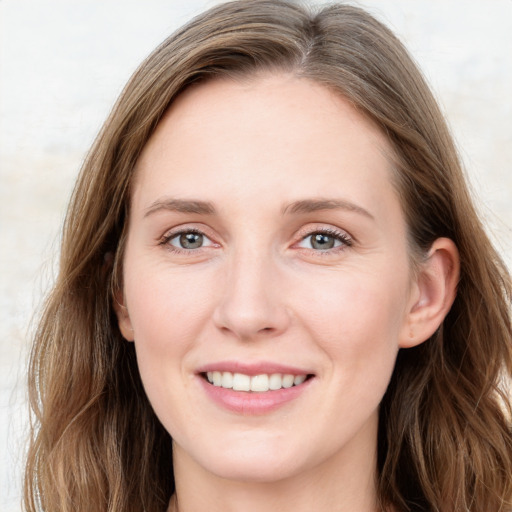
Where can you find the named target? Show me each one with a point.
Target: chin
(250, 462)
(255, 471)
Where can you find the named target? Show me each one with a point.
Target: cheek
(356, 306)
(165, 305)
(168, 311)
(356, 322)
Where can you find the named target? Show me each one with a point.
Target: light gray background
(62, 64)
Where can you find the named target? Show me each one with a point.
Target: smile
(257, 383)
(254, 388)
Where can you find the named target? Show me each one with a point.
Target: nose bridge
(252, 303)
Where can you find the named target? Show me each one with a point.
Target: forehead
(275, 133)
(286, 102)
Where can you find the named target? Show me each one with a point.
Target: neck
(344, 483)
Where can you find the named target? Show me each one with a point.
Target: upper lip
(252, 368)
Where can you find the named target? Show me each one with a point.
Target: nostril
(246, 316)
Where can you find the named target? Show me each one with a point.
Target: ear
(434, 291)
(123, 317)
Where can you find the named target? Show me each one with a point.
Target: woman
(274, 290)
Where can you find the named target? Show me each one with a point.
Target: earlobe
(123, 317)
(436, 288)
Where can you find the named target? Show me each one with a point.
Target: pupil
(191, 240)
(323, 242)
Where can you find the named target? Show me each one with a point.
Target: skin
(258, 290)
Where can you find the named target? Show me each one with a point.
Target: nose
(253, 301)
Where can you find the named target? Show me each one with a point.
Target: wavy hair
(445, 441)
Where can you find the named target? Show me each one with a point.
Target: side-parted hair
(445, 439)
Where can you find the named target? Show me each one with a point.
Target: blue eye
(189, 240)
(324, 240)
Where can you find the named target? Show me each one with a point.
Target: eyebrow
(297, 207)
(314, 205)
(181, 206)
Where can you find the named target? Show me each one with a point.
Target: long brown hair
(445, 441)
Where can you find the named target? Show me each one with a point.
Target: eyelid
(172, 233)
(340, 234)
(189, 231)
(303, 233)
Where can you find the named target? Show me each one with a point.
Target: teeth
(241, 382)
(299, 379)
(217, 378)
(227, 380)
(259, 383)
(288, 381)
(275, 381)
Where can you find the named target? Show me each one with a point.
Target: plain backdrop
(63, 63)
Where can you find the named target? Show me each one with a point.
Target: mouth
(254, 388)
(261, 383)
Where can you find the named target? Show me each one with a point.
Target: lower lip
(251, 402)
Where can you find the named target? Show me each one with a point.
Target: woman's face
(266, 249)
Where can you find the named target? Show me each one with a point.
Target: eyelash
(341, 236)
(166, 239)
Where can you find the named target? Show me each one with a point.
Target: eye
(325, 240)
(188, 240)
